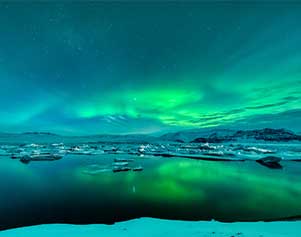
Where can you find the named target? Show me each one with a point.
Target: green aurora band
(82, 68)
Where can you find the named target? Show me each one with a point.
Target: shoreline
(151, 227)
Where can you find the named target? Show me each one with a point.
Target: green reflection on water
(246, 189)
(187, 189)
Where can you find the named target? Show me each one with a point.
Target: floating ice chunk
(141, 149)
(270, 161)
(95, 169)
(123, 160)
(121, 163)
(258, 150)
(138, 168)
(120, 168)
(33, 145)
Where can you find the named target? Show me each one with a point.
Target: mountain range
(195, 136)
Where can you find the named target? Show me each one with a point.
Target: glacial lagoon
(83, 189)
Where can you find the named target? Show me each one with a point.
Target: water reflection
(84, 190)
(226, 191)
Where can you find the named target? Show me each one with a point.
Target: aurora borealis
(105, 67)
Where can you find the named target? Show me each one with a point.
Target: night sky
(90, 68)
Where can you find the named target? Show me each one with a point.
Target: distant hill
(195, 136)
(40, 133)
(45, 137)
(190, 135)
(224, 135)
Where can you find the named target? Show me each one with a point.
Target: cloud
(289, 119)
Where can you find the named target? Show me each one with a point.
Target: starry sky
(109, 67)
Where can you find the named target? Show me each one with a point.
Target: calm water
(72, 190)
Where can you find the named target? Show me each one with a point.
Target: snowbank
(149, 227)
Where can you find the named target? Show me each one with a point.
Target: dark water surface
(83, 189)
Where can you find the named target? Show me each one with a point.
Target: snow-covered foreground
(149, 227)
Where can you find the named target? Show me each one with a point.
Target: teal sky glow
(87, 68)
